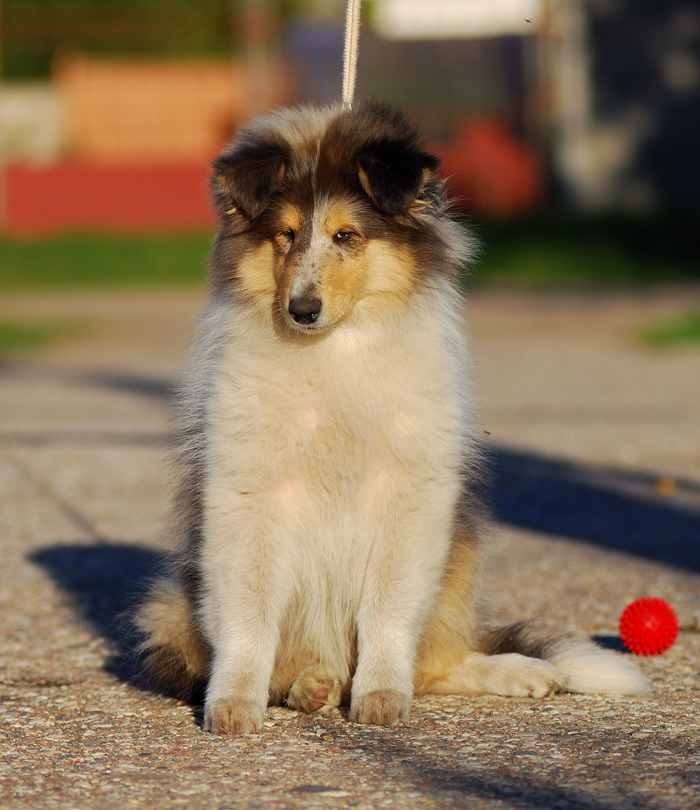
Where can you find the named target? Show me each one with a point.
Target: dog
(331, 538)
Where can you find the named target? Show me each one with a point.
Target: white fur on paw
(316, 690)
(231, 716)
(515, 675)
(385, 707)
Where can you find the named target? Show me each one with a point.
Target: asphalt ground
(595, 448)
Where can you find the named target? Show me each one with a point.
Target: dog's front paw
(315, 690)
(385, 707)
(231, 716)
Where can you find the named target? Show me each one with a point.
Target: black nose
(305, 309)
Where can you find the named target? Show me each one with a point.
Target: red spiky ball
(648, 626)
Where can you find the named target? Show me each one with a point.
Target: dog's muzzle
(305, 309)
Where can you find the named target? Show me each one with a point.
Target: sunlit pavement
(595, 456)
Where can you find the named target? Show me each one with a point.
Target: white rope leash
(352, 48)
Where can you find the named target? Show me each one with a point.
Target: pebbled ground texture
(596, 489)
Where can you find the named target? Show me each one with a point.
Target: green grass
(96, 260)
(20, 338)
(673, 332)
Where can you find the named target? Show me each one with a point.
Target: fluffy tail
(175, 657)
(586, 668)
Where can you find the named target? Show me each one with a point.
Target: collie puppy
(330, 535)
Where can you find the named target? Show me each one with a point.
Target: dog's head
(326, 213)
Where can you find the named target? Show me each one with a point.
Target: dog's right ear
(245, 180)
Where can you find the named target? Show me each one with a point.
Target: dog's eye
(342, 236)
(288, 234)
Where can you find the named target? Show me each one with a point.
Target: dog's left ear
(246, 178)
(394, 174)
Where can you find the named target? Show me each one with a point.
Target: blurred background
(570, 129)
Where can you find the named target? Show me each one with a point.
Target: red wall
(88, 196)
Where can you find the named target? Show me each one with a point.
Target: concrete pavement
(596, 458)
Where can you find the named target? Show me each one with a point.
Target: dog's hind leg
(583, 666)
(509, 674)
(452, 657)
(176, 657)
(315, 690)
(516, 661)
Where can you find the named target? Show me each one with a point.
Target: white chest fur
(340, 415)
(332, 471)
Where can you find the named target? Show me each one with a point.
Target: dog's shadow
(105, 581)
(616, 509)
(638, 513)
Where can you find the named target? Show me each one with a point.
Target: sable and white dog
(328, 526)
